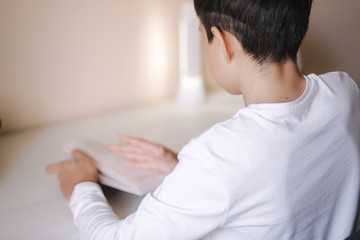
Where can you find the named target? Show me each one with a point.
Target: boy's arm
(93, 216)
(183, 207)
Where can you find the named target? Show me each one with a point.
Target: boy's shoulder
(260, 125)
(337, 78)
(228, 134)
(342, 86)
(335, 75)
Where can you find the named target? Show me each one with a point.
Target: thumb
(81, 156)
(53, 168)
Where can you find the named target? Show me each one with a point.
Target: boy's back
(291, 170)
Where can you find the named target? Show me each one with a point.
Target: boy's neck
(274, 83)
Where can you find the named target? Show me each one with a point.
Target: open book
(113, 172)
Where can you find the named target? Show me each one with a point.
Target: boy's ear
(224, 44)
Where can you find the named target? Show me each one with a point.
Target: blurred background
(67, 59)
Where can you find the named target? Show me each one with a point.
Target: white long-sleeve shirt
(273, 171)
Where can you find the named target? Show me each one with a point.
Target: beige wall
(64, 59)
(333, 40)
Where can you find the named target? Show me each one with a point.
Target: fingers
(122, 149)
(144, 154)
(164, 168)
(57, 167)
(140, 164)
(140, 143)
(137, 157)
(133, 153)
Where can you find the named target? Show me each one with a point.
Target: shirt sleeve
(189, 204)
(93, 216)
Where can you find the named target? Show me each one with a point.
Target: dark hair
(269, 30)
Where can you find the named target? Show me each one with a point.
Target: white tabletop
(31, 204)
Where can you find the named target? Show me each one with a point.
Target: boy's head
(270, 31)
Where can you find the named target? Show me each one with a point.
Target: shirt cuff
(83, 193)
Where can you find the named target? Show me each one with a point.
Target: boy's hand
(70, 173)
(144, 154)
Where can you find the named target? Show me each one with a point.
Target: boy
(284, 167)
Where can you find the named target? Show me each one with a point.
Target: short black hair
(269, 30)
